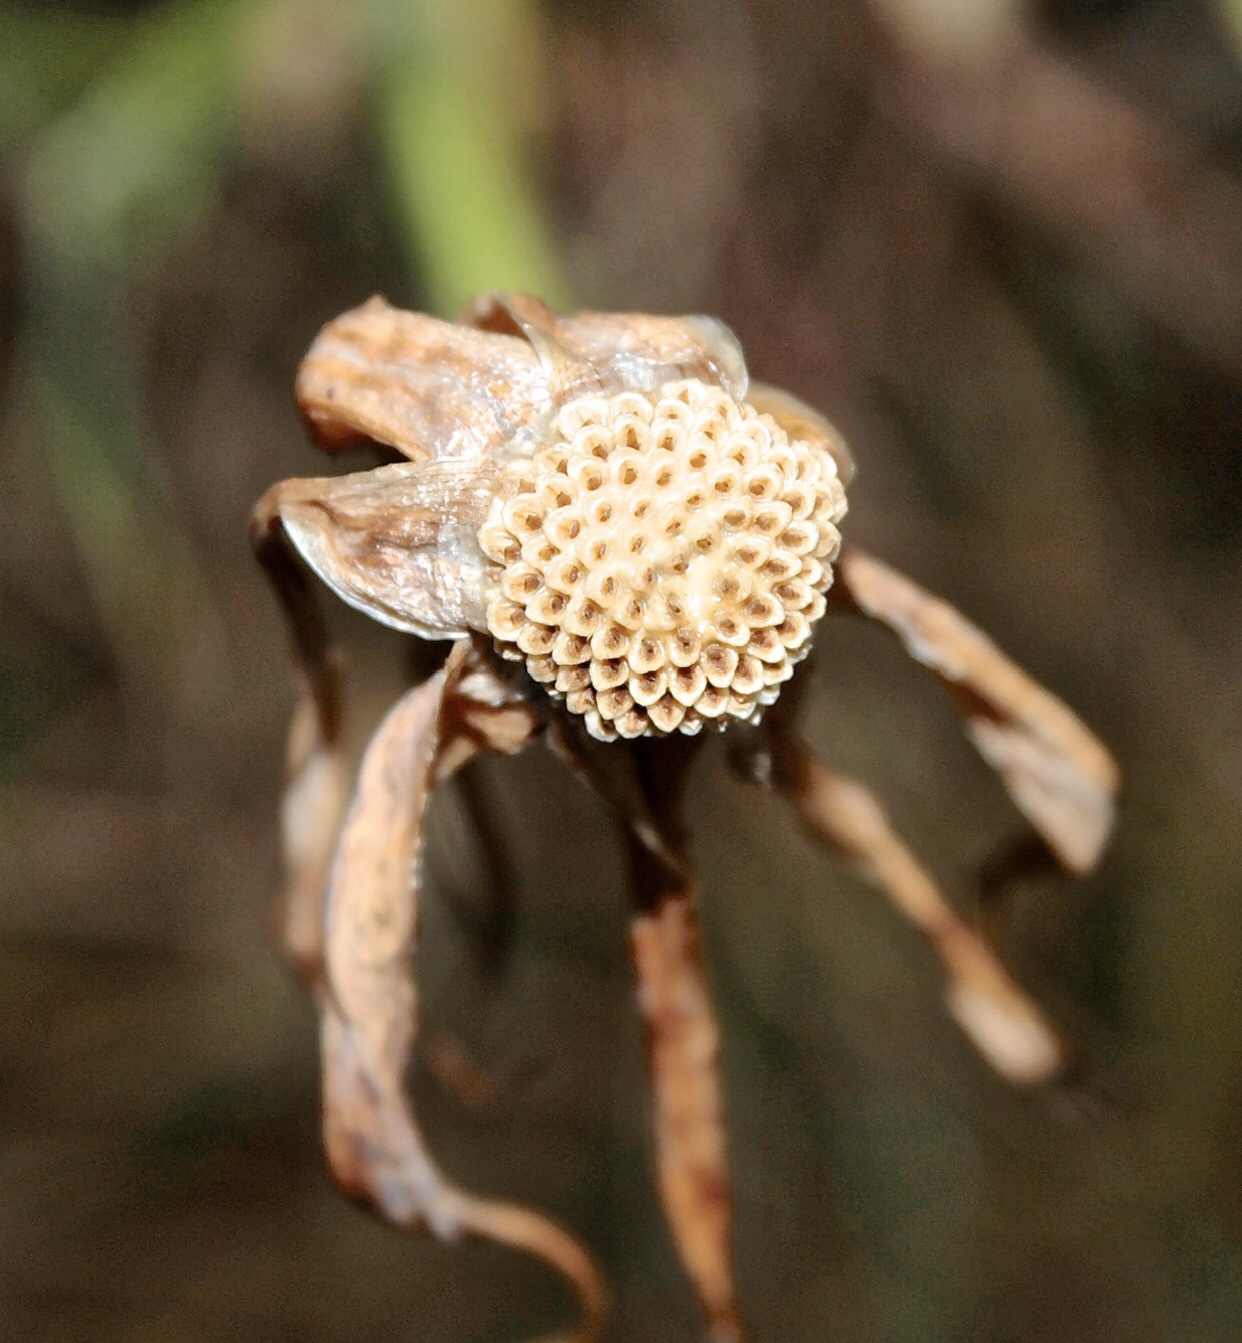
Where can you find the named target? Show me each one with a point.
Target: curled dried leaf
(374, 1145)
(1005, 1025)
(425, 387)
(1059, 774)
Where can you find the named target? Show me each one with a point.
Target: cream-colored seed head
(661, 562)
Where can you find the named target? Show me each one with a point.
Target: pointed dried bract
(425, 387)
(627, 539)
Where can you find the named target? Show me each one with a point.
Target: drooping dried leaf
(1005, 1025)
(1058, 773)
(373, 1141)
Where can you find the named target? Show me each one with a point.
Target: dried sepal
(460, 389)
(609, 351)
(1059, 774)
(399, 542)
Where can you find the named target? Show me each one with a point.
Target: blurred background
(1000, 244)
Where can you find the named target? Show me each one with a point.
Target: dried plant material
(691, 1156)
(1004, 1024)
(613, 351)
(661, 562)
(316, 785)
(397, 543)
(1057, 772)
(646, 792)
(438, 389)
(316, 794)
(802, 422)
(425, 387)
(656, 555)
(374, 1145)
(626, 540)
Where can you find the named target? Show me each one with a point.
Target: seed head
(659, 563)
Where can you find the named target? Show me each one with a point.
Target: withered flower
(628, 539)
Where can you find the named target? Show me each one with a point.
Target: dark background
(1001, 246)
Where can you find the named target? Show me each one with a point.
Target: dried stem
(645, 784)
(684, 1051)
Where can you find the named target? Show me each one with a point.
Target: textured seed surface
(660, 563)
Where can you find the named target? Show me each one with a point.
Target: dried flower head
(662, 559)
(609, 503)
(596, 492)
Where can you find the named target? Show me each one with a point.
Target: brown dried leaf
(1005, 1025)
(1060, 776)
(374, 1145)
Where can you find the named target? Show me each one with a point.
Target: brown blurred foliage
(1001, 246)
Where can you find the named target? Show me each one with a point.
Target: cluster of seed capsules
(661, 562)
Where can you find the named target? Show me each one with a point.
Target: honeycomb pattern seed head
(660, 563)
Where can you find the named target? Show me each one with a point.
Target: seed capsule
(660, 563)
